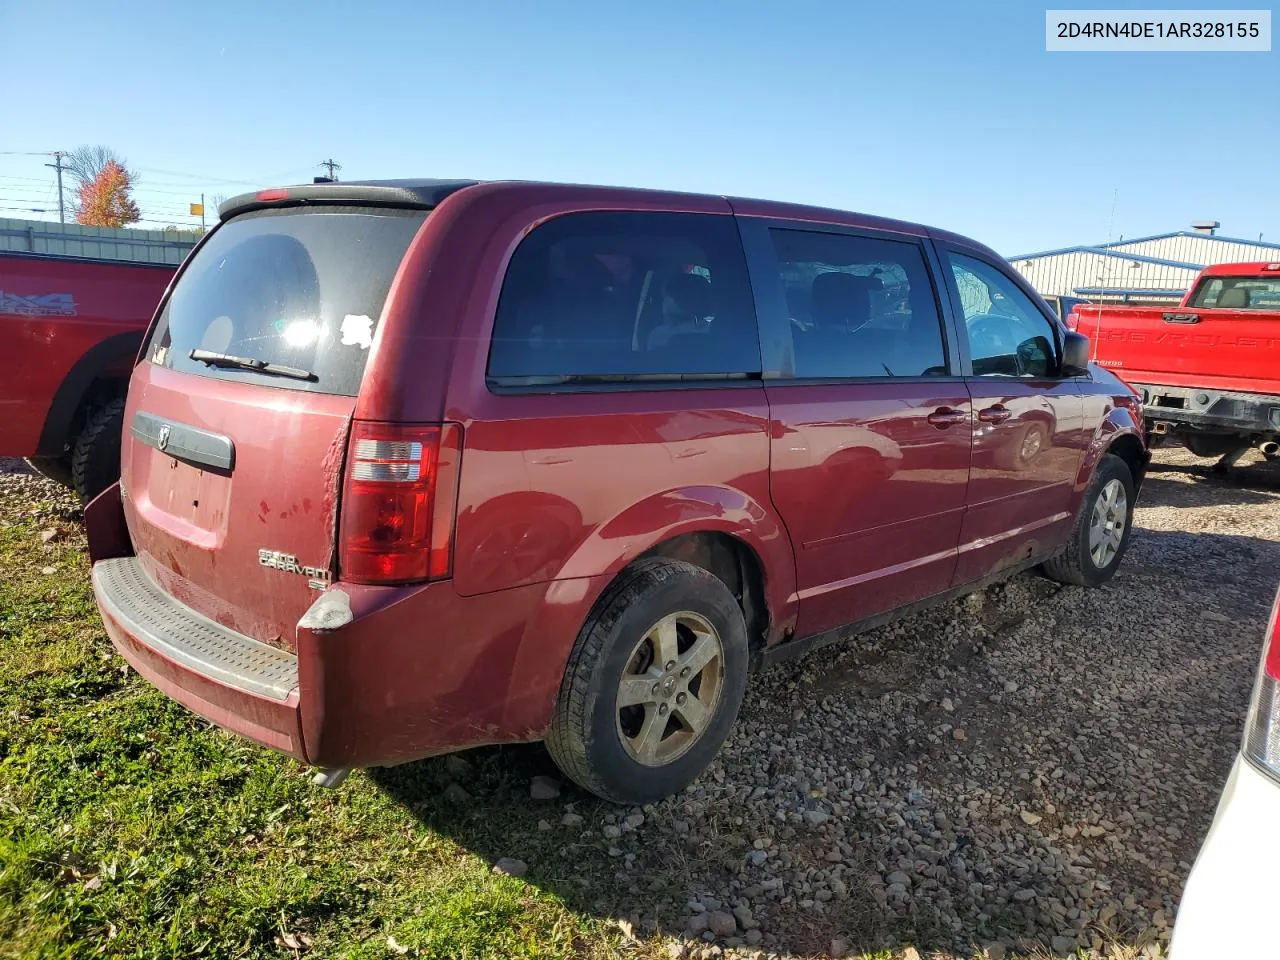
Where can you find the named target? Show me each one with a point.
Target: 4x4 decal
(40, 305)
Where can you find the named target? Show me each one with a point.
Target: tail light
(1132, 403)
(1262, 734)
(398, 502)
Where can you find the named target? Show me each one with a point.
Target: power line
(332, 166)
(142, 188)
(195, 176)
(168, 221)
(37, 191)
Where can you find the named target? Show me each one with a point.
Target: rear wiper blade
(215, 359)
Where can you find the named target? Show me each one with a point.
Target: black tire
(57, 469)
(1075, 565)
(95, 457)
(585, 739)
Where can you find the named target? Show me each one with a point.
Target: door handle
(945, 417)
(996, 414)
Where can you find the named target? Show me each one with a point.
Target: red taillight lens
(398, 502)
(1262, 733)
(1132, 403)
(270, 196)
(1271, 661)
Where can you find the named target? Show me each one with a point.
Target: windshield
(1239, 293)
(289, 288)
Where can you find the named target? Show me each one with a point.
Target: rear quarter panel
(564, 486)
(65, 322)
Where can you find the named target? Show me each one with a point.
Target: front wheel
(653, 684)
(1101, 534)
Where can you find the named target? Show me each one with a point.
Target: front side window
(626, 296)
(1008, 335)
(858, 306)
(1238, 293)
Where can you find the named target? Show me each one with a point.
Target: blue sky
(948, 113)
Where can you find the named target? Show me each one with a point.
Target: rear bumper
(381, 675)
(227, 678)
(1228, 903)
(1217, 411)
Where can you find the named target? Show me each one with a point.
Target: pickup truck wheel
(1101, 533)
(57, 469)
(95, 457)
(653, 683)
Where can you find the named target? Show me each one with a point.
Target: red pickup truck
(70, 329)
(1208, 369)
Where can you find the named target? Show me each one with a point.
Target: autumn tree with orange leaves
(105, 199)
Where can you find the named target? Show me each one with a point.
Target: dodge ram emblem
(162, 440)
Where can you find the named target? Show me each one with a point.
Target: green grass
(131, 828)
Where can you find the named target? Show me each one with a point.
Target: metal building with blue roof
(1153, 270)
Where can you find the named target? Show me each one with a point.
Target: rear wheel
(95, 457)
(57, 469)
(1101, 533)
(653, 684)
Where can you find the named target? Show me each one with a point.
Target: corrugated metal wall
(1200, 249)
(1064, 273)
(1069, 272)
(99, 243)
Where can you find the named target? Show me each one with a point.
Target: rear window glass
(1239, 293)
(627, 296)
(301, 290)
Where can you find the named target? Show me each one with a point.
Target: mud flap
(104, 524)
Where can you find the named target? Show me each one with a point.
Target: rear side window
(626, 296)
(297, 289)
(859, 306)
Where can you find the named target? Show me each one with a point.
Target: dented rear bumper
(226, 677)
(380, 675)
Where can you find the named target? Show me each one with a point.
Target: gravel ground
(1032, 767)
(1027, 771)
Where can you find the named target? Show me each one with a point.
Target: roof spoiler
(406, 194)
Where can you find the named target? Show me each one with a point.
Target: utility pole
(202, 227)
(57, 165)
(332, 166)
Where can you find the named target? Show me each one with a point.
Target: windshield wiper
(215, 359)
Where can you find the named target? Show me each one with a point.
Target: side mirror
(1075, 354)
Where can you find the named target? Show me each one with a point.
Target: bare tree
(86, 163)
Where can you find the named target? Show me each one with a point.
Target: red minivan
(413, 466)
